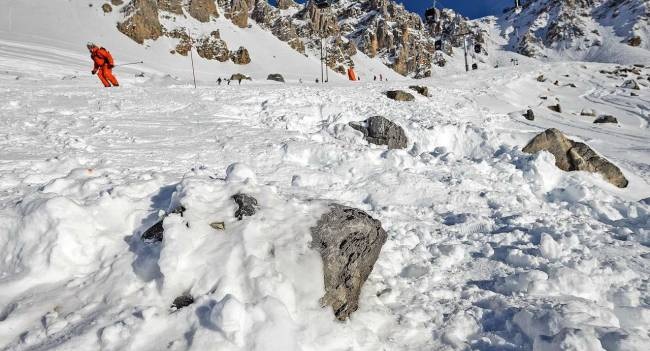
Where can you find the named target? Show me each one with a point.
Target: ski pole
(130, 63)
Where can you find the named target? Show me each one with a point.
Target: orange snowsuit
(103, 66)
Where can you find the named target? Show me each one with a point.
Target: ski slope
(488, 249)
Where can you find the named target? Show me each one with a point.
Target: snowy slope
(489, 248)
(59, 30)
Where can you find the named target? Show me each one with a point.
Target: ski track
(488, 249)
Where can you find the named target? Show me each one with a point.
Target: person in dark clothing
(219, 81)
(239, 81)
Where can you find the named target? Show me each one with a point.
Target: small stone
(247, 205)
(556, 108)
(422, 90)
(107, 8)
(631, 84)
(541, 78)
(588, 112)
(182, 301)
(606, 119)
(218, 225)
(530, 115)
(275, 77)
(156, 232)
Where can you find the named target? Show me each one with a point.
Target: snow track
(488, 249)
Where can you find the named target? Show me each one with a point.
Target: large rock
(399, 95)
(239, 12)
(247, 205)
(275, 77)
(420, 89)
(380, 131)
(575, 156)
(173, 6)
(213, 47)
(241, 56)
(141, 21)
(606, 119)
(349, 242)
(203, 10)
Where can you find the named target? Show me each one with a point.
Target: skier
(374, 78)
(104, 64)
(219, 81)
(381, 77)
(239, 80)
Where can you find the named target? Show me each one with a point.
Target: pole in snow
(465, 48)
(322, 75)
(128, 64)
(192, 57)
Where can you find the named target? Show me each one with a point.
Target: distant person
(374, 78)
(228, 81)
(317, 81)
(219, 81)
(103, 61)
(239, 80)
(381, 77)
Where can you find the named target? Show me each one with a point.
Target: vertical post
(465, 48)
(516, 4)
(322, 75)
(192, 57)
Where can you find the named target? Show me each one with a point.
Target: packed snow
(489, 248)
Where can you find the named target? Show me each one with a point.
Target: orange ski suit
(103, 66)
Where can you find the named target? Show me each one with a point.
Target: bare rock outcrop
(240, 56)
(202, 10)
(381, 131)
(575, 156)
(141, 21)
(349, 242)
(213, 47)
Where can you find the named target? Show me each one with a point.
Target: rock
(173, 6)
(349, 242)
(247, 205)
(212, 47)
(142, 21)
(275, 77)
(639, 65)
(218, 225)
(634, 94)
(530, 115)
(117, 2)
(107, 8)
(286, 4)
(156, 232)
(634, 41)
(541, 78)
(422, 90)
(399, 95)
(182, 301)
(241, 56)
(606, 119)
(557, 108)
(631, 84)
(239, 12)
(575, 156)
(588, 112)
(238, 76)
(380, 131)
(203, 10)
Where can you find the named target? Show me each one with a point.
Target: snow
(489, 248)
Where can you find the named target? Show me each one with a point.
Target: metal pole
(465, 48)
(322, 75)
(327, 72)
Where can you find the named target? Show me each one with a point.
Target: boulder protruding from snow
(156, 232)
(399, 95)
(381, 131)
(275, 77)
(555, 108)
(420, 89)
(349, 242)
(575, 156)
(247, 205)
(239, 76)
(529, 115)
(241, 56)
(182, 301)
(631, 84)
(606, 119)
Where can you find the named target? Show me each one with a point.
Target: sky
(469, 8)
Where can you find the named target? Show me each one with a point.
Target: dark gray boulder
(399, 95)
(155, 233)
(247, 205)
(275, 77)
(381, 131)
(606, 119)
(556, 108)
(182, 301)
(349, 242)
(420, 89)
(530, 115)
(239, 76)
(575, 156)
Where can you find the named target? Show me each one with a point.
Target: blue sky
(469, 8)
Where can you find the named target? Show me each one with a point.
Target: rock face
(241, 56)
(275, 77)
(247, 205)
(349, 242)
(399, 95)
(286, 4)
(203, 10)
(141, 21)
(213, 48)
(575, 156)
(422, 90)
(239, 12)
(173, 6)
(606, 119)
(380, 131)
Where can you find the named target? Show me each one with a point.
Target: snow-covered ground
(488, 249)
